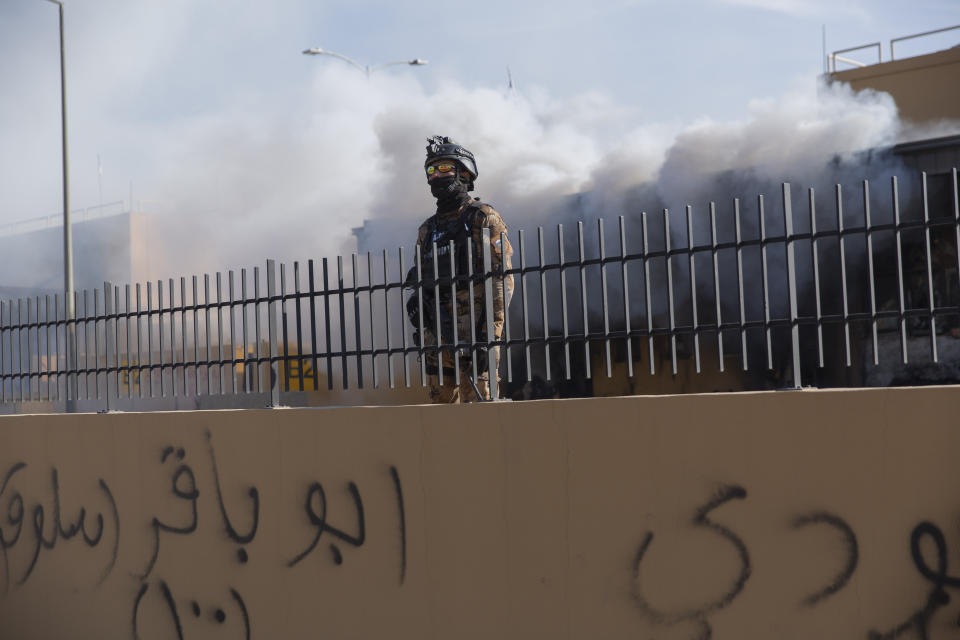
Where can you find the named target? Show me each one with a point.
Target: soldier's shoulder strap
(476, 212)
(426, 228)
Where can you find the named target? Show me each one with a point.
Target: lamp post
(367, 69)
(67, 230)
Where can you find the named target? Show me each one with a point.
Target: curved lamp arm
(416, 62)
(317, 51)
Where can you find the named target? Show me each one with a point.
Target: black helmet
(443, 147)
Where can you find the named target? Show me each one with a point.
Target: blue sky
(210, 107)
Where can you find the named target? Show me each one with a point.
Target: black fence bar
(160, 332)
(326, 320)
(765, 282)
(901, 302)
(718, 310)
(284, 327)
(792, 288)
(815, 266)
(871, 280)
(171, 288)
(929, 259)
(956, 219)
(544, 307)
(741, 296)
(525, 310)
(647, 293)
(183, 329)
(563, 304)
(471, 291)
(272, 308)
(406, 361)
(354, 294)
(692, 266)
(107, 317)
(843, 274)
(206, 334)
(603, 292)
(670, 303)
(585, 311)
(148, 320)
(233, 339)
(220, 334)
(373, 329)
(896, 290)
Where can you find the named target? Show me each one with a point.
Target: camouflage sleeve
(410, 280)
(421, 234)
(500, 257)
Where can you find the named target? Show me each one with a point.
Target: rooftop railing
(836, 56)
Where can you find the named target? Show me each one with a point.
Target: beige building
(112, 245)
(926, 88)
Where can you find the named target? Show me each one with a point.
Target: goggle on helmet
(444, 147)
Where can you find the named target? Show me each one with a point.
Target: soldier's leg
(483, 380)
(467, 392)
(446, 393)
(483, 377)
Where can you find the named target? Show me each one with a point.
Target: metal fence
(772, 289)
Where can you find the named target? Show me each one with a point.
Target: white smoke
(291, 181)
(788, 138)
(290, 178)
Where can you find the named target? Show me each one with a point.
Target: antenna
(100, 181)
(509, 79)
(826, 66)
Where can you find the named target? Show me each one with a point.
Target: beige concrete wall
(925, 88)
(748, 516)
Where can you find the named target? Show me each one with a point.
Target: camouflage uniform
(500, 251)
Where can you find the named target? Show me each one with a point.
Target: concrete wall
(925, 88)
(816, 514)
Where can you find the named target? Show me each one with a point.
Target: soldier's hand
(416, 338)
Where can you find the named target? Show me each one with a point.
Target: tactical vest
(460, 230)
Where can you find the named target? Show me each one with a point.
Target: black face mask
(450, 193)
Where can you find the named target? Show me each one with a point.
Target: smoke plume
(291, 181)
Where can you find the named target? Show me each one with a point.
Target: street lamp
(317, 51)
(67, 230)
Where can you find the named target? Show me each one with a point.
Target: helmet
(443, 147)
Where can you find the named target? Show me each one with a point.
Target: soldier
(451, 170)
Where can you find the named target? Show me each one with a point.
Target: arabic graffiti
(217, 614)
(698, 614)
(202, 505)
(12, 532)
(318, 519)
(185, 490)
(936, 574)
(38, 525)
(850, 545)
(938, 578)
(403, 523)
(253, 492)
